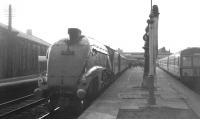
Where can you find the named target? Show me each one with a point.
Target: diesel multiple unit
(185, 65)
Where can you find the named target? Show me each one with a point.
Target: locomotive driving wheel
(94, 88)
(104, 78)
(92, 92)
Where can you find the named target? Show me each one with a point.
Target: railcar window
(197, 72)
(187, 72)
(196, 60)
(187, 61)
(176, 61)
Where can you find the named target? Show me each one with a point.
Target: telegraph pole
(10, 44)
(10, 19)
(11, 36)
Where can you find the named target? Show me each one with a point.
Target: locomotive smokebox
(74, 34)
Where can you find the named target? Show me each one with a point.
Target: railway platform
(125, 99)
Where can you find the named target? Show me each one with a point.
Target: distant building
(19, 53)
(162, 52)
(120, 50)
(134, 55)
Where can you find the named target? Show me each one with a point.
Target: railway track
(14, 107)
(2, 105)
(29, 107)
(49, 115)
(60, 113)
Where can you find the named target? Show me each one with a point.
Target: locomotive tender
(79, 68)
(185, 65)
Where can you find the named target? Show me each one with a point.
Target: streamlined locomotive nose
(66, 62)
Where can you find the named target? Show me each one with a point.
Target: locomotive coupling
(81, 93)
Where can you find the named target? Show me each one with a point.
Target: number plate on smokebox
(67, 52)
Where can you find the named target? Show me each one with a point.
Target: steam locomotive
(185, 65)
(78, 69)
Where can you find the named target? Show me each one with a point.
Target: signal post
(151, 51)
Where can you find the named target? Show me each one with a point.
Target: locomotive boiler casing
(73, 66)
(65, 66)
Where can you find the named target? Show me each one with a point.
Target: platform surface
(125, 99)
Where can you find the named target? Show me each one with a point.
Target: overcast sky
(117, 23)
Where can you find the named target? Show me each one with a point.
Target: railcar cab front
(190, 66)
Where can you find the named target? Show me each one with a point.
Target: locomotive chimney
(74, 34)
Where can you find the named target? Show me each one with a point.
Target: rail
(11, 110)
(48, 115)
(3, 105)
